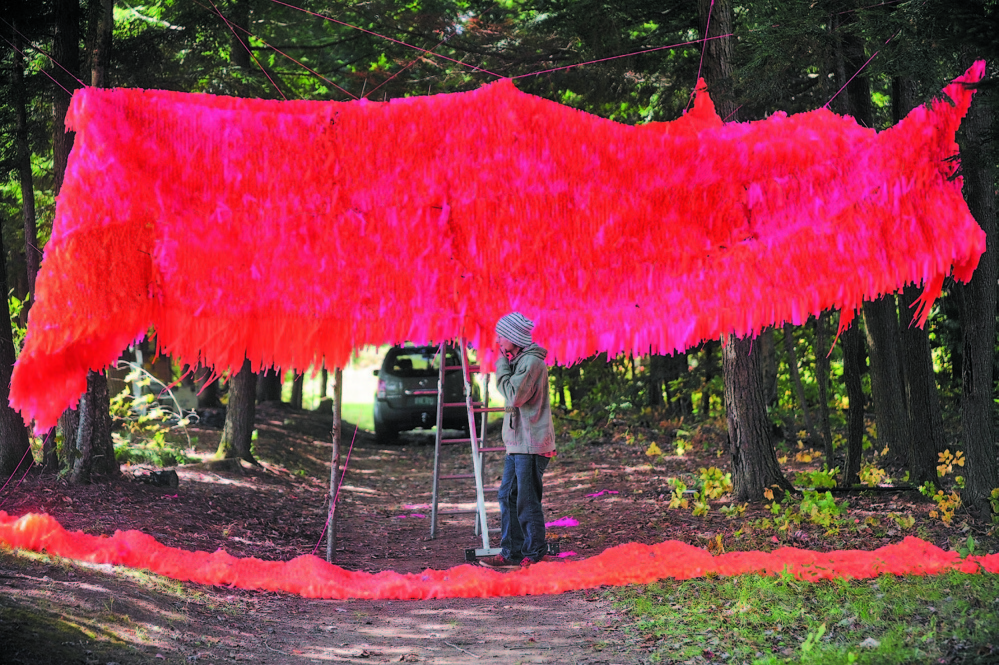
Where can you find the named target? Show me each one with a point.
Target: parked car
(409, 369)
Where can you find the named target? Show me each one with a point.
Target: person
(529, 437)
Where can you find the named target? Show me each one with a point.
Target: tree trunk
(93, 436)
(799, 389)
(13, 434)
(922, 399)
(297, 391)
(32, 254)
(237, 434)
(822, 378)
(768, 363)
(269, 385)
(324, 378)
(101, 54)
(718, 55)
(887, 387)
(207, 388)
(754, 462)
(881, 315)
(853, 363)
(657, 380)
(102, 445)
(855, 99)
(81, 442)
(679, 402)
(65, 51)
(978, 321)
(710, 371)
(240, 17)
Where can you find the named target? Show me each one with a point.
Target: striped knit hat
(515, 327)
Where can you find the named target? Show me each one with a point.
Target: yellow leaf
(653, 450)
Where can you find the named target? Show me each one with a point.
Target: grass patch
(760, 619)
(362, 415)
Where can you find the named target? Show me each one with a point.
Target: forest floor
(59, 611)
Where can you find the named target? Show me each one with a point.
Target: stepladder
(454, 359)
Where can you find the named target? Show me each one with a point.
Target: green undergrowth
(952, 617)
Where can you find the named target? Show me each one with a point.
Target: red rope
(336, 495)
(704, 47)
(42, 51)
(826, 105)
(623, 55)
(385, 37)
(68, 92)
(882, 4)
(279, 51)
(20, 462)
(408, 65)
(28, 450)
(248, 51)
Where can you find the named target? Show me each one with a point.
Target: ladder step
(491, 409)
(423, 392)
(453, 441)
(471, 368)
(452, 404)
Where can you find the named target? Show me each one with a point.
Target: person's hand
(508, 348)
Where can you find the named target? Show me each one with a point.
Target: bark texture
(14, 454)
(65, 51)
(890, 413)
(32, 254)
(799, 389)
(754, 461)
(94, 447)
(269, 385)
(297, 391)
(979, 315)
(853, 365)
(94, 450)
(237, 434)
(921, 397)
(822, 378)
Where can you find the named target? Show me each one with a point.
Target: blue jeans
(521, 517)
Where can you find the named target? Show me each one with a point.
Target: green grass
(760, 619)
(361, 415)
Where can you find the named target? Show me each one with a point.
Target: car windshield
(411, 361)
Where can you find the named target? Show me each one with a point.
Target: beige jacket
(527, 424)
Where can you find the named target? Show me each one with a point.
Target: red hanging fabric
(292, 232)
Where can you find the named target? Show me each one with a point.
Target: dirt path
(55, 611)
(66, 613)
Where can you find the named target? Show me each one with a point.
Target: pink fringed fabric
(293, 232)
(633, 563)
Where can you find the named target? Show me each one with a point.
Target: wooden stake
(335, 462)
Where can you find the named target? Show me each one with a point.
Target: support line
(337, 494)
(387, 38)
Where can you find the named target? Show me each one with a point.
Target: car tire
(385, 435)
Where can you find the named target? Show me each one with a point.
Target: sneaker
(527, 562)
(499, 562)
